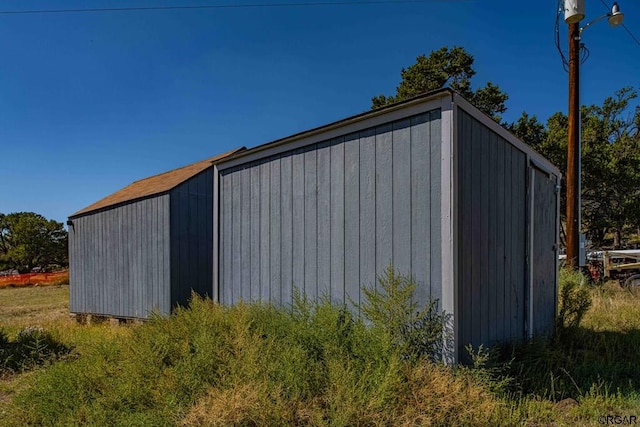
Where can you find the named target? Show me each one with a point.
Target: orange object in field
(30, 279)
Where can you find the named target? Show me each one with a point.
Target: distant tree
(452, 67)
(29, 240)
(611, 167)
(529, 129)
(610, 186)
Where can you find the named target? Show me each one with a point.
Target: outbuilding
(431, 185)
(146, 247)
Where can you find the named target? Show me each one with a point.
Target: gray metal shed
(431, 185)
(145, 247)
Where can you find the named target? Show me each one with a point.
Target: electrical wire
(223, 6)
(635, 39)
(584, 51)
(565, 63)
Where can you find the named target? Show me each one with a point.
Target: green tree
(29, 240)
(610, 186)
(529, 130)
(451, 67)
(611, 167)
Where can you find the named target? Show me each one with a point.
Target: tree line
(610, 177)
(28, 241)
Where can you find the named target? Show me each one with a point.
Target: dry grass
(614, 309)
(253, 403)
(29, 306)
(433, 395)
(48, 307)
(437, 397)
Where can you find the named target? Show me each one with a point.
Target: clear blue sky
(90, 102)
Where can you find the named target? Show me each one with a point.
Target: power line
(224, 6)
(635, 39)
(631, 35)
(565, 63)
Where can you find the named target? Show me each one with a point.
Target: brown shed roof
(154, 185)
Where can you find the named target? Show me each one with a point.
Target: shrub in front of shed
(313, 363)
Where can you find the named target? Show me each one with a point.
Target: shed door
(542, 303)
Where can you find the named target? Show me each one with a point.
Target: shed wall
(119, 260)
(544, 254)
(329, 217)
(192, 238)
(492, 236)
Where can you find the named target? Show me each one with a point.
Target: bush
(391, 308)
(574, 299)
(33, 346)
(314, 363)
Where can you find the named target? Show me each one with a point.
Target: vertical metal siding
(323, 218)
(367, 207)
(298, 224)
(116, 259)
(275, 194)
(336, 223)
(191, 238)
(254, 185)
(286, 220)
(352, 262)
(435, 202)
(226, 248)
(334, 214)
(492, 202)
(245, 215)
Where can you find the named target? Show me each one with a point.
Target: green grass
(315, 364)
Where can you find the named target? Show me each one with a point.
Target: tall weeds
(251, 364)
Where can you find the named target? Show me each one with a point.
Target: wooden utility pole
(573, 149)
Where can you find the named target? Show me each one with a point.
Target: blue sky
(90, 102)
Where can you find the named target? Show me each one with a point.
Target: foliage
(33, 346)
(574, 299)
(312, 364)
(391, 308)
(610, 162)
(611, 166)
(257, 365)
(29, 240)
(451, 67)
(487, 368)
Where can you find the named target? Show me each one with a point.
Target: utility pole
(574, 13)
(573, 149)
